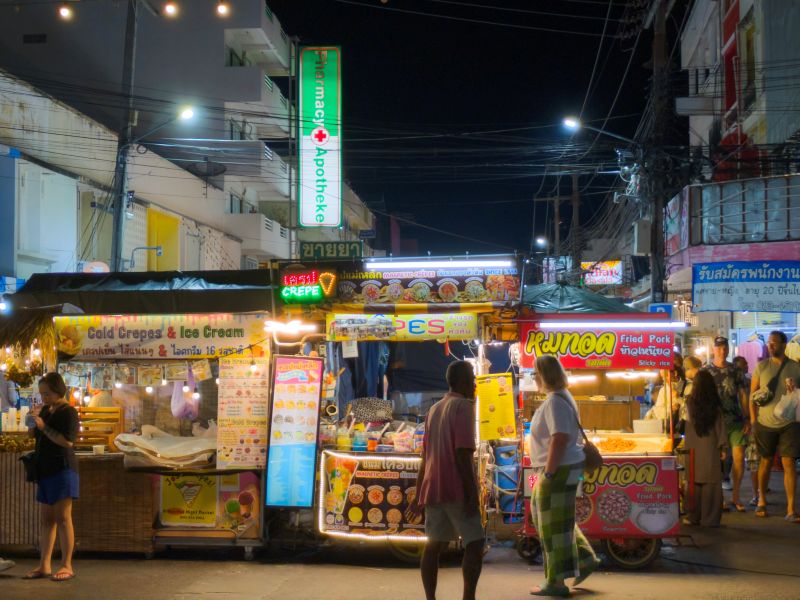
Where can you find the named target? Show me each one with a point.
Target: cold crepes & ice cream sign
(598, 349)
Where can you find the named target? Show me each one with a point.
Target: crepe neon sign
(307, 286)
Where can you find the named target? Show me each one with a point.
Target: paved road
(747, 558)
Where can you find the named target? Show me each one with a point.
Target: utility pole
(656, 165)
(575, 229)
(125, 137)
(556, 200)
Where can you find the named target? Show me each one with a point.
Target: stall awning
(548, 298)
(170, 292)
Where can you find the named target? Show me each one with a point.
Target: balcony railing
(751, 210)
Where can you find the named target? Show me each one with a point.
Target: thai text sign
(291, 460)
(367, 495)
(496, 418)
(429, 285)
(764, 286)
(606, 272)
(320, 186)
(402, 328)
(327, 250)
(586, 349)
(160, 336)
(630, 497)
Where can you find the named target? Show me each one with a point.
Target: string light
(253, 366)
(86, 399)
(163, 382)
(217, 380)
(195, 395)
(117, 384)
(76, 394)
(149, 389)
(185, 389)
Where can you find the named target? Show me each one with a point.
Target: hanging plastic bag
(183, 405)
(788, 406)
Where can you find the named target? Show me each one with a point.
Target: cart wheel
(632, 553)
(529, 549)
(407, 552)
(248, 553)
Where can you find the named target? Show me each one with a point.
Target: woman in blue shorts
(57, 472)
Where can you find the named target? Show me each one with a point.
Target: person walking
(751, 457)
(558, 460)
(706, 436)
(735, 413)
(447, 486)
(772, 433)
(56, 431)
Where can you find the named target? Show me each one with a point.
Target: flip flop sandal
(560, 591)
(792, 518)
(739, 507)
(62, 576)
(761, 511)
(37, 574)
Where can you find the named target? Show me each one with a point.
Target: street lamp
(223, 8)
(65, 12)
(574, 125)
(171, 9)
(541, 242)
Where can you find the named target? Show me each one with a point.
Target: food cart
(632, 502)
(172, 395)
(429, 307)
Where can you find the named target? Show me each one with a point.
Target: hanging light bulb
(253, 366)
(76, 394)
(185, 389)
(163, 382)
(195, 395)
(3, 367)
(65, 12)
(37, 352)
(149, 389)
(117, 384)
(217, 381)
(86, 399)
(223, 8)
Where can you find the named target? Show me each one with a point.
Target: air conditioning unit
(642, 230)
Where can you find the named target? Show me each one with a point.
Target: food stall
(435, 308)
(172, 404)
(632, 501)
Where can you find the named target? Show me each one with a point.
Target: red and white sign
(631, 497)
(598, 348)
(606, 272)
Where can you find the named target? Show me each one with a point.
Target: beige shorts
(446, 522)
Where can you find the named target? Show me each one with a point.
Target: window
(711, 214)
(754, 210)
(235, 204)
(732, 226)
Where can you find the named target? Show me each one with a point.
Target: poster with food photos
(368, 495)
(495, 397)
(291, 464)
(242, 410)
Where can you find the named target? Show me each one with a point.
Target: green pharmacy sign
(320, 170)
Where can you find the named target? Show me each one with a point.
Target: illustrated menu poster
(369, 495)
(629, 497)
(239, 504)
(496, 416)
(242, 409)
(293, 431)
(189, 500)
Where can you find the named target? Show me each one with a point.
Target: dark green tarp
(551, 298)
(162, 292)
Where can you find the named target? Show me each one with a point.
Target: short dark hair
(457, 372)
(780, 335)
(55, 382)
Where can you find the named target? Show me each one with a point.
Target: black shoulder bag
(763, 397)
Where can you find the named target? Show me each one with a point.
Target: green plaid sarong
(565, 549)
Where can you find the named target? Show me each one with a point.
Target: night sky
(424, 98)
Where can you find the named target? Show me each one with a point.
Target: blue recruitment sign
(367, 234)
(763, 286)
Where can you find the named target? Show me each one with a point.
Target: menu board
(367, 495)
(628, 497)
(242, 409)
(496, 417)
(291, 462)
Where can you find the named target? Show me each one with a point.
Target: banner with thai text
(161, 336)
(764, 286)
(599, 349)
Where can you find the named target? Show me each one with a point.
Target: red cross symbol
(320, 136)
